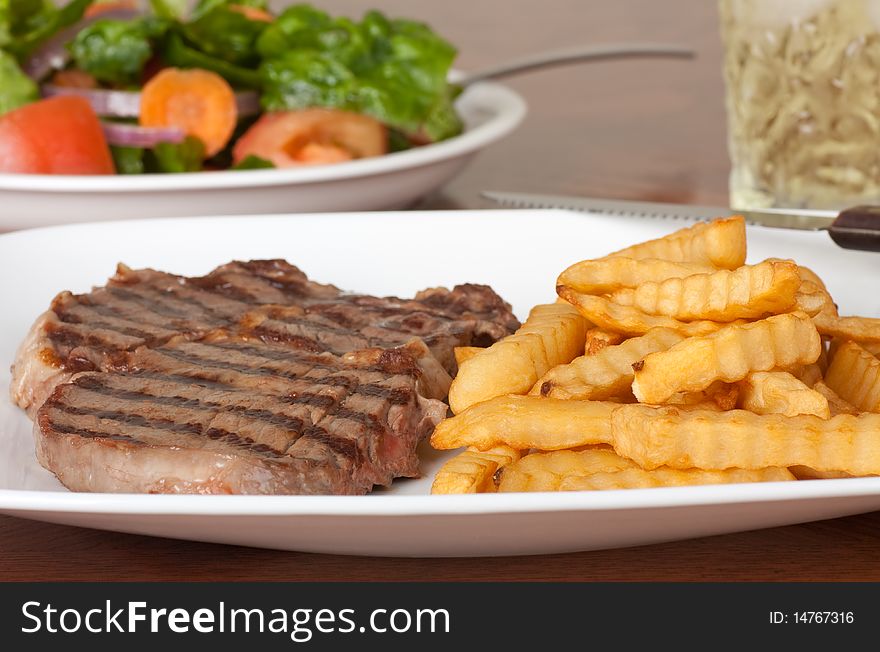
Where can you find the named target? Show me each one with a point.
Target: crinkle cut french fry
(598, 339)
(664, 477)
(858, 329)
(749, 292)
(523, 422)
(778, 392)
(808, 374)
(544, 471)
(717, 396)
(806, 473)
(553, 334)
(720, 243)
(854, 375)
(473, 471)
(815, 300)
(629, 321)
(608, 373)
(667, 436)
(728, 355)
(465, 353)
(808, 274)
(602, 469)
(824, 359)
(835, 404)
(604, 275)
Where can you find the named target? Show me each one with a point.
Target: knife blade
(854, 228)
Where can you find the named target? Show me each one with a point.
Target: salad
(104, 88)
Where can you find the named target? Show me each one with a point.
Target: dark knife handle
(857, 228)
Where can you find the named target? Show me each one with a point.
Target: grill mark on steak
(292, 423)
(71, 338)
(128, 418)
(143, 335)
(296, 425)
(92, 434)
(243, 443)
(280, 337)
(346, 448)
(147, 301)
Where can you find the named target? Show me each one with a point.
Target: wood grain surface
(651, 130)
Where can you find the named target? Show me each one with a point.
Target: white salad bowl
(490, 112)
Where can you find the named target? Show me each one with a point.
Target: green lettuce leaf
(225, 34)
(206, 6)
(393, 70)
(179, 54)
(128, 160)
(253, 162)
(25, 24)
(115, 51)
(176, 157)
(16, 88)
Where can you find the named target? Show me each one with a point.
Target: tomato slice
(252, 13)
(312, 137)
(59, 135)
(99, 8)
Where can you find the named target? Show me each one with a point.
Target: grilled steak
(252, 379)
(229, 415)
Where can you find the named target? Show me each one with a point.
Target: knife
(853, 228)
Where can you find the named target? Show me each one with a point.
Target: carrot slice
(252, 13)
(198, 101)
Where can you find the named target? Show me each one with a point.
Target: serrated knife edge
(812, 220)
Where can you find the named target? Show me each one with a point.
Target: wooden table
(650, 130)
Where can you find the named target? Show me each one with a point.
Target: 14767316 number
(813, 617)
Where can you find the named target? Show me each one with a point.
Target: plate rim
(510, 109)
(18, 500)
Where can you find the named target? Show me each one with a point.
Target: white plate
(519, 253)
(490, 111)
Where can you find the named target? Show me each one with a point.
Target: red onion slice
(127, 104)
(117, 104)
(53, 54)
(247, 103)
(125, 135)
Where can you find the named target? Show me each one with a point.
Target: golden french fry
(598, 339)
(814, 300)
(809, 374)
(553, 334)
(717, 396)
(835, 404)
(871, 347)
(629, 321)
(608, 373)
(854, 375)
(465, 353)
(668, 436)
(603, 469)
(728, 355)
(778, 392)
(858, 329)
(720, 243)
(544, 471)
(604, 275)
(749, 292)
(806, 473)
(523, 422)
(664, 477)
(473, 471)
(808, 274)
